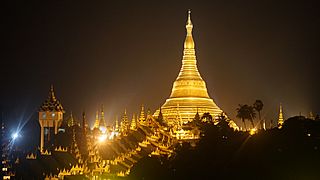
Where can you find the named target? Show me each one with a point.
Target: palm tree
(252, 115)
(241, 113)
(258, 105)
(223, 122)
(246, 112)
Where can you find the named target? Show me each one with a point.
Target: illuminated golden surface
(189, 93)
(253, 131)
(280, 120)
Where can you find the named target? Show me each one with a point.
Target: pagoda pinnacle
(71, 122)
(84, 122)
(189, 43)
(51, 93)
(117, 125)
(189, 23)
(102, 119)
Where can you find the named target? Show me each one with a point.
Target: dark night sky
(126, 53)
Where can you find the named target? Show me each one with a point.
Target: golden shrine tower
(280, 120)
(189, 93)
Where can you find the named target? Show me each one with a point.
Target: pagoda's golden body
(189, 93)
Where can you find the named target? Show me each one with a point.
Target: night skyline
(127, 54)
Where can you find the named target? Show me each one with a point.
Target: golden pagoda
(97, 121)
(189, 93)
(280, 120)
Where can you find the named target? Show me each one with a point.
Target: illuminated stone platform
(189, 93)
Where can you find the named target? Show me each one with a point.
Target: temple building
(50, 119)
(189, 93)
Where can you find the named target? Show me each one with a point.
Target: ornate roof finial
(51, 104)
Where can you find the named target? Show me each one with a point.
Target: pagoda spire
(197, 116)
(71, 121)
(97, 121)
(72, 125)
(124, 125)
(189, 70)
(117, 125)
(133, 125)
(142, 117)
(84, 123)
(102, 119)
(280, 120)
(51, 93)
(189, 43)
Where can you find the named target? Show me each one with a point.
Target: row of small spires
(46, 152)
(100, 122)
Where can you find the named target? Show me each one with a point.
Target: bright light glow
(15, 135)
(102, 138)
(113, 134)
(103, 129)
(253, 131)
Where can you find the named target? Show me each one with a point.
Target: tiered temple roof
(52, 103)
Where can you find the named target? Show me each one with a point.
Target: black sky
(125, 53)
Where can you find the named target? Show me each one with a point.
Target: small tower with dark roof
(50, 119)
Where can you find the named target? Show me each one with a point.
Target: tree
(242, 115)
(223, 123)
(252, 115)
(246, 112)
(258, 105)
(206, 117)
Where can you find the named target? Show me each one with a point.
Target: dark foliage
(292, 152)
